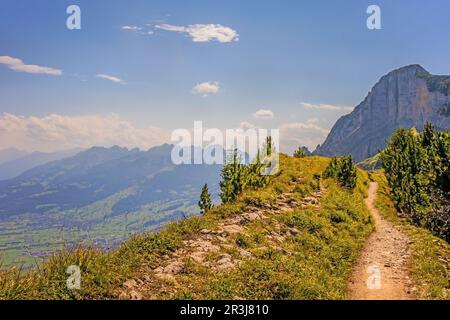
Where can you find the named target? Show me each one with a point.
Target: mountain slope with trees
(417, 167)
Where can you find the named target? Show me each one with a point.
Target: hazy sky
(138, 69)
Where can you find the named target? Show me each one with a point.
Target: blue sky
(283, 53)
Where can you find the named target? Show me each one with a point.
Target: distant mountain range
(99, 173)
(13, 162)
(103, 194)
(11, 154)
(404, 98)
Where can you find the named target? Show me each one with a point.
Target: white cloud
(246, 125)
(329, 107)
(110, 78)
(263, 114)
(206, 88)
(139, 30)
(293, 135)
(18, 65)
(204, 32)
(57, 132)
(131, 28)
(313, 120)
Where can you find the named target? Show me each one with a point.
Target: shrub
(406, 166)
(417, 167)
(343, 170)
(205, 203)
(299, 153)
(236, 176)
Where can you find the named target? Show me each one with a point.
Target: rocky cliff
(406, 97)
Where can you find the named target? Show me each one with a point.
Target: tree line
(417, 167)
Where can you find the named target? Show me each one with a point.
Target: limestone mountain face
(404, 98)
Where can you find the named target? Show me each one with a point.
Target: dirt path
(381, 272)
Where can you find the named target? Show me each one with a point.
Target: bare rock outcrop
(404, 98)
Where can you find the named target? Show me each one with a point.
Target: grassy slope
(372, 163)
(314, 264)
(318, 266)
(430, 263)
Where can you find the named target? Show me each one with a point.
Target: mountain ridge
(10, 154)
(403, 98)
(25, 161)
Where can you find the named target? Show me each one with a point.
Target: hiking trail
(381, 272)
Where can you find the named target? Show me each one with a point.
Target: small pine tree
(205, 203)
(406, 165)
(332, 169)
(255, 178)
(428, 135)
(234, 178)
(299, 153)
(347, 173)
(437, 145)
(268, 147)
(343, 170)
(443, 168)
